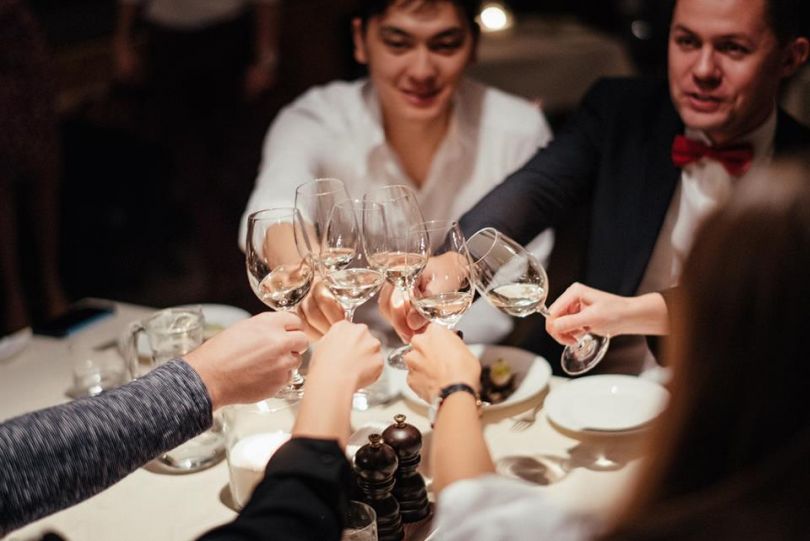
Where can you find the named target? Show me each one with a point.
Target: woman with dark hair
(728, 457)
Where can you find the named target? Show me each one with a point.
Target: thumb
(415, 320)
(572, 322)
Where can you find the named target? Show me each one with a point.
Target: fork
(526, 419)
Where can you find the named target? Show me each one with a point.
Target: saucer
(605, 403)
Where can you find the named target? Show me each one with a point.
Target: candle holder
(253, 433)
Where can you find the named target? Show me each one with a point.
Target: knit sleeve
(56, 457)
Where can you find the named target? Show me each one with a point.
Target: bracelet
(445, 392)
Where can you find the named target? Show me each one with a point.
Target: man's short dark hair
(787, 18)
(373, 8)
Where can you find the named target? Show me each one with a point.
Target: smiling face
(725, 65)
(416, 55)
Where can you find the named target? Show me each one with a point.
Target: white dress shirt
(336, 131)
(494, 507)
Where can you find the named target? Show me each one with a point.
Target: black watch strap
(445, 392)
(456, 387)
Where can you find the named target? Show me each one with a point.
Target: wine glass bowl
(448, 290)
(315, 200)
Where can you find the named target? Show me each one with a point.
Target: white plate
(605, 403)
(532, 373)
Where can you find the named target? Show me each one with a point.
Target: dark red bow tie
(735, 158)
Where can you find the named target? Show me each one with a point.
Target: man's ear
(795, 55)
(360, 54)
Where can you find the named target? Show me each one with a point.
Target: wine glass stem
(296, 379)
(349, 312)
(543, 311)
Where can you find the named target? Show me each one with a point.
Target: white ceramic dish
(217, 318)
(14, 343)
(605, 403)
(532, 373)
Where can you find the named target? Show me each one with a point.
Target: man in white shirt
(415, 121)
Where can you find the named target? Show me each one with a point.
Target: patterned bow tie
(735, 158)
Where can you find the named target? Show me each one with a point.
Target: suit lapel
(660, 180)
(790, 136)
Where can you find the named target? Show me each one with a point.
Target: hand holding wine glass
(445, 289)
(276, 256)
(513, 281)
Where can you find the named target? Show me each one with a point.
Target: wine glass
(315, 201)
(516, 283)
(448, 293)
(407, 247)
(353, 282)
(277, 254)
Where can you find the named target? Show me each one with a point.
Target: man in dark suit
(646, 194)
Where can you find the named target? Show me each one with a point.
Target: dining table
(582, 472)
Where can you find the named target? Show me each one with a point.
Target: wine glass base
(395, 358)
(585, 355)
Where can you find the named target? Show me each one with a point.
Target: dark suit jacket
(614, 155)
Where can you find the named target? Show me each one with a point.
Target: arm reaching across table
(56, 457)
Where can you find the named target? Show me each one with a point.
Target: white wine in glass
(516, 283)
(352, 280)
(276, 257)
(448, 290)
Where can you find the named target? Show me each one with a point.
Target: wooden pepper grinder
(409, 489)
(375, 465)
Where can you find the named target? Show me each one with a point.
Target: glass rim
(367, 509)
(257, 215)
(339, 186)
(406, 191)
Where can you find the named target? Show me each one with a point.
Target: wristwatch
(433, 410)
